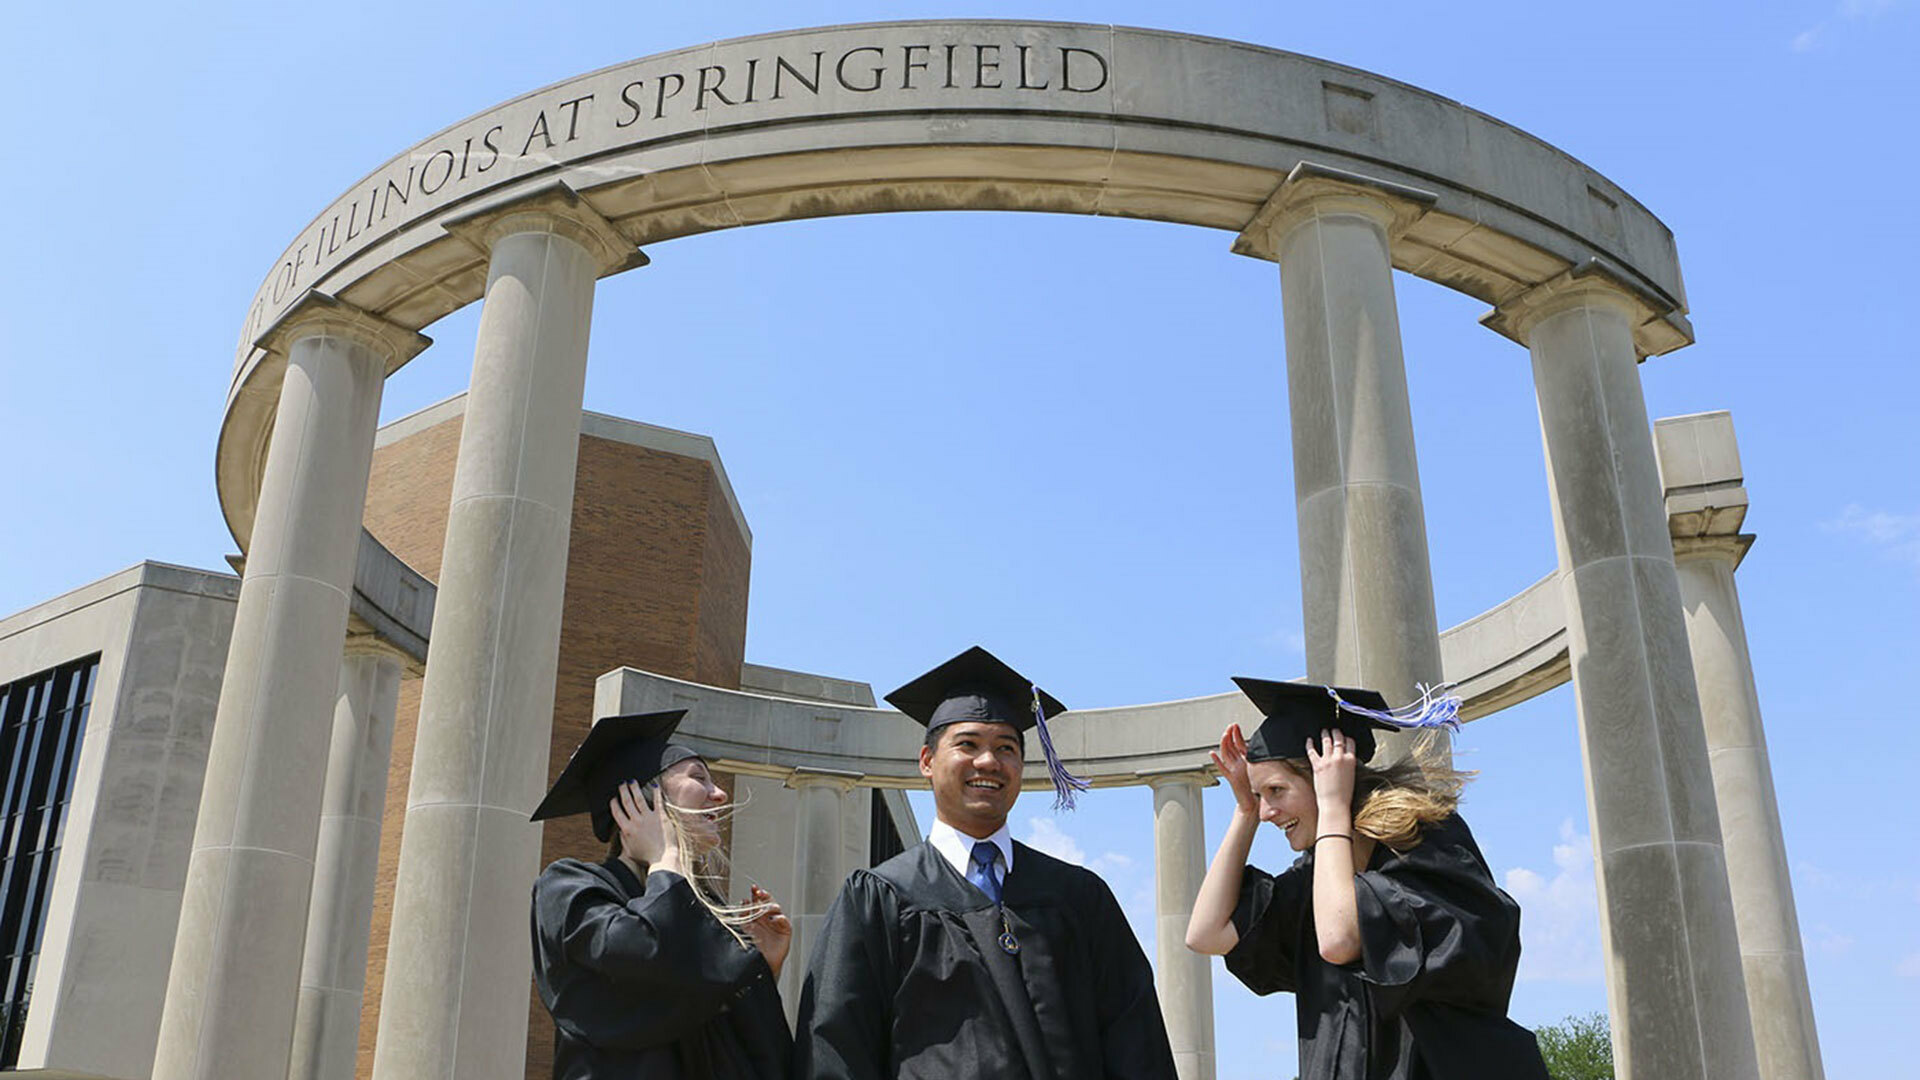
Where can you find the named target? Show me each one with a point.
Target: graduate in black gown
(971, 955)
(1389, 930)
(646, 972)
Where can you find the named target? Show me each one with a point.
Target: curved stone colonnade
(1168, 127)
(1338, 175)
(1520, 647)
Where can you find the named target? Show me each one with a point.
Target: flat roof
(598, 425)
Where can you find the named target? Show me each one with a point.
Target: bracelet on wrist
(1348, 837)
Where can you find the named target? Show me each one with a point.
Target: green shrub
(1578, 1048)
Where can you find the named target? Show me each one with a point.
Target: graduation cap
(977, 685)
(618, 749)
(1295, 712)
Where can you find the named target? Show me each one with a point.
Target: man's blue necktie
(983, 871)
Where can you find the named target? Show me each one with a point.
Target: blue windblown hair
(1065, 785)
(1436, 707)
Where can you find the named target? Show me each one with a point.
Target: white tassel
(1436, 707)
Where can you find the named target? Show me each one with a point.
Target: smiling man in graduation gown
(971, 955)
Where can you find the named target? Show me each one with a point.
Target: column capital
(317, 314)
(554, 208)
(373, 645)
(1731, 547)
(1178, 774)
(805, 777)
(1707, 515)
(1658, 326)
(1312, 190)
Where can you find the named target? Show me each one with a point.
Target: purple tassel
(1065, 784)
(1437, 707)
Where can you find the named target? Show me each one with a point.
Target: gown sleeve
(1269, 917)
(662, 947)
(844, 1027)
(1434, 929)
(1133, 1032)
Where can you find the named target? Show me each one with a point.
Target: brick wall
(657, 574)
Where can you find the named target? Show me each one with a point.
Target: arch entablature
(1500, 658)
(953, 115)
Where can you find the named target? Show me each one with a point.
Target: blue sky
(1066, 437)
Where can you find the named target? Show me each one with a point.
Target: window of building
(41, 719)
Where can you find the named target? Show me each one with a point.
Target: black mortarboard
(618, 749)
(977, 685)
(1296, 712)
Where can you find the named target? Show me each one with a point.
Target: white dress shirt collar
(957, 847)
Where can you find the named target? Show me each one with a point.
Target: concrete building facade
(154, 638)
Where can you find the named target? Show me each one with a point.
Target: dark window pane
(42, 720)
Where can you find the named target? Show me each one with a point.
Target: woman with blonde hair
(646, 970)
(1389, 930)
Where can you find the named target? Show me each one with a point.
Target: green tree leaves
(1578, 1048)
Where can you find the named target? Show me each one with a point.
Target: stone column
(818, 866)
(1706, 505)
(458, 973)
(234, 982)
(333, 973)
(1184, 978)
(1674, 986)
(1366, 585)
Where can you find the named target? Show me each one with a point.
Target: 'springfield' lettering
(443, 171)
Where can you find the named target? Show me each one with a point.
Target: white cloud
(1896, 535)
(1877, 526)
(1909, 966)
(1826, 941)
(1045, 834)
(1866, 9)
(1818, 877)
(1852, 11)
(1131, 886)
(1560, 913)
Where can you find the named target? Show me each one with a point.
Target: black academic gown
(908, 979)
(1427, 1000)
(642, 981)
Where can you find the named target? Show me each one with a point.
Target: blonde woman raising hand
(1389, 931)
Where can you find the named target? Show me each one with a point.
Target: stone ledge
(1514, 651)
